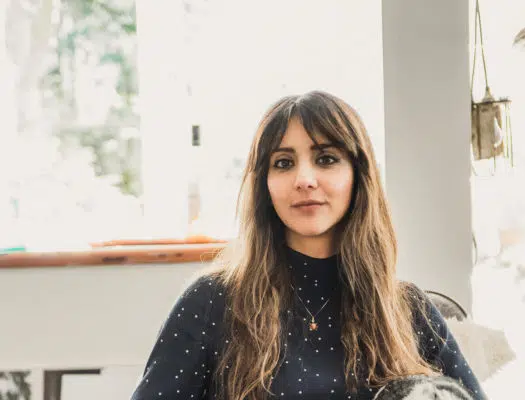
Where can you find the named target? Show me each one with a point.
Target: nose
(306, 177)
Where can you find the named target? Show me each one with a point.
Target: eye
(326, 159)
(283, 163)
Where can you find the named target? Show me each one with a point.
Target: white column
(427, 141)
(165, 124)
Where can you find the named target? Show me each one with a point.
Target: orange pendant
(313, 326)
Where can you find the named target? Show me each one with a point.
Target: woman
(305, 304)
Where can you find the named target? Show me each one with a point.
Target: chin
(310, 231)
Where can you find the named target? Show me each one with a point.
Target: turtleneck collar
(322, 273)
(298, 258)
(315, 280)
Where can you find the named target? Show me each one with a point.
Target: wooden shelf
(119, 255)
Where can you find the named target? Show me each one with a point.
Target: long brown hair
(377, 321)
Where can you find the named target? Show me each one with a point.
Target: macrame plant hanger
(491, 134)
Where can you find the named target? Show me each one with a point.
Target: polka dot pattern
(184, 356)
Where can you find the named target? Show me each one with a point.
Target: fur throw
(421, 387)
(486, 350)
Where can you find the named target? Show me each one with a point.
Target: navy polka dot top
(185, 354)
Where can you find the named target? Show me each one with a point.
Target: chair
(448, 307)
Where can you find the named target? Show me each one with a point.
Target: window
(71, 153)
(498, 197)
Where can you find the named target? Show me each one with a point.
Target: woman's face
(310, 188)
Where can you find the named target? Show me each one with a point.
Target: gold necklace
(313, 325)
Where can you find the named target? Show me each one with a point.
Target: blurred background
(125, 125)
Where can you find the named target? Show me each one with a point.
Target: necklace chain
(313, 324)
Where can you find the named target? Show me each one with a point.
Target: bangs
(319, 116)
(315, 125)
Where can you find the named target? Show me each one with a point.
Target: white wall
(427, 140)
(246, 55)
(113, 383)
(85, 317)
(238, 58)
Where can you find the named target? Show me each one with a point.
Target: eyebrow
(321, 146)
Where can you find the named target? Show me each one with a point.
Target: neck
(315, 247)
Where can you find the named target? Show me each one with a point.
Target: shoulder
(201, 300)
(420, 303)
(415, 292)
(202, 287)
(429, 324)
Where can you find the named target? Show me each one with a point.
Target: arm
(441, 349)
(177, 367)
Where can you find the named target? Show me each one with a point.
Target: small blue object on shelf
(15, 249)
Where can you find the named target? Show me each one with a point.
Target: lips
(307, 203)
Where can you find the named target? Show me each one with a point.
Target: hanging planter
(490, 117)
(491, 129)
